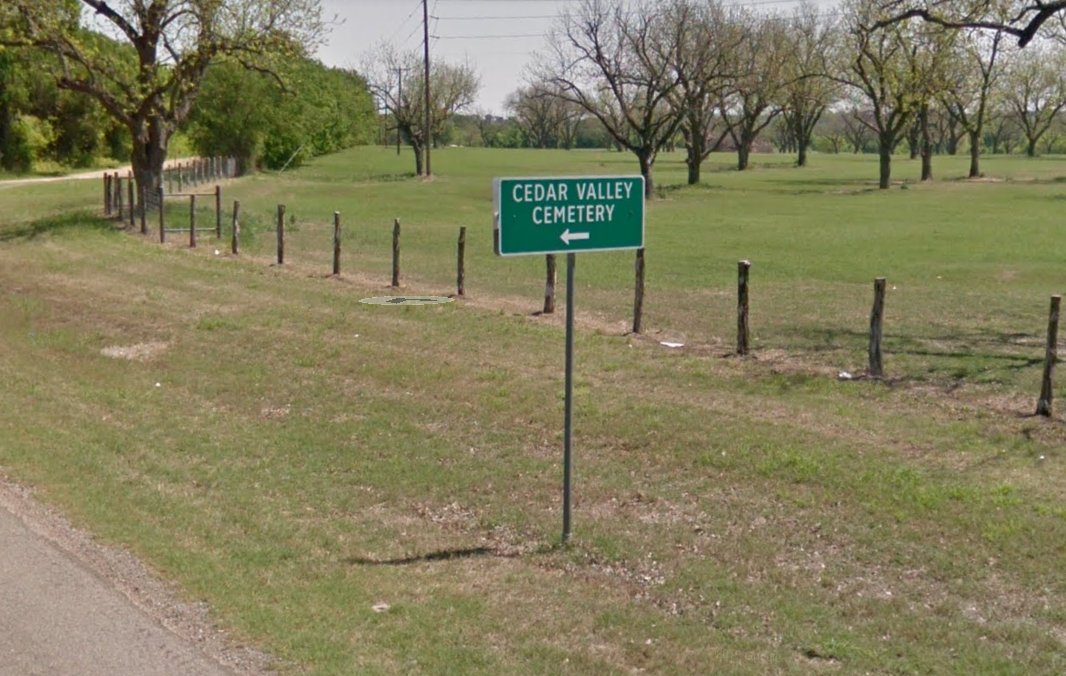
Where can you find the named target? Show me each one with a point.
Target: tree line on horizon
(235, 77)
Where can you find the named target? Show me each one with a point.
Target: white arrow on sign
(568, 236)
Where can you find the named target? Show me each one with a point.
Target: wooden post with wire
(235, 246)
(281, 234)
(550, 277)
(743, 334)
(876, 316)
(1047, 392)
(336, 242)
(396, 253)
(192, 221)
(460, 264)
(638, 291)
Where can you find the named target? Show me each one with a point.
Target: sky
(497, 37)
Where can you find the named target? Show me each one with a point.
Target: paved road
(59, 617)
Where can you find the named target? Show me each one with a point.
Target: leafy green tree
(151, 85)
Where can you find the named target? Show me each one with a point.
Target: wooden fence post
(396, 253)
(460, 264)
(133, 210)
(118, 196)
(281, 234)
(742, 307)
(876, 315)
(162, 218)
(192, 221)
(336, 242)
(638, 291)
(107, 194)
(235, 244)
(549, 284)
(218, 212)
(1043, 406)
(144, 209)
(180, 173)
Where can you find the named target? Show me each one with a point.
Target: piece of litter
(216, 252)
(380, 607)
(159, 384)
(356, 335)
(666, 343)
(844, 375)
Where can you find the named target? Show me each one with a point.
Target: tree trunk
(975, 154)
(646, 161)
(150, 139)
(926, 145)
(694, 159)
(886, 163)
(417, 148)
(801, 161)
(743, 154)
(1030, 149)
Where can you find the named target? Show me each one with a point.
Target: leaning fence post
(396, 253)
(218, 212)
(1043, 407)
(638, 293)
(281, 234)
(742, 306)
(336, 242)
(162, 218)
(235, 244)
(876, 315)
(460, 263)
(192, 221)
(549, 284)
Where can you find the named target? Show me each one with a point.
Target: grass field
(294, 458)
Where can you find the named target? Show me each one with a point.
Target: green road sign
(568, 214)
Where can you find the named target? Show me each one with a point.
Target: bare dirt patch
(138, 352)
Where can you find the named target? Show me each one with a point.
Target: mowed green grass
(294, 458)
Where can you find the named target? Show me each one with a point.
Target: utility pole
(425, 43)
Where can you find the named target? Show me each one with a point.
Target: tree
(759, 64)
(397, 79)
(978, 66)
(1024, 18)
(247, 115)
(613, 62)
(171, 44)
(547, 119)
(1035, 91)
(886, 65)
(706, 38)
(807, 88)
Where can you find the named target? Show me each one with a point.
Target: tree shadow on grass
(79, 220)
(431, 557)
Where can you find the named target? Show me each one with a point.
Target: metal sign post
(565, 215)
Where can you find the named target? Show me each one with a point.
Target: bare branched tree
(706, 39)
(611, 59)
(759, 65)
(1023, 19)
(808, 88)
(547, 119)
(398, 80)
